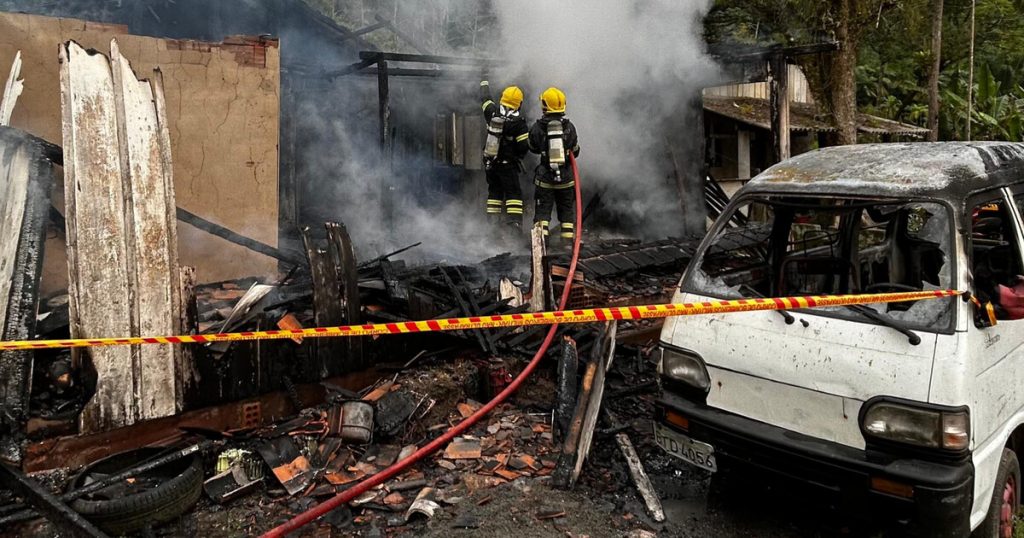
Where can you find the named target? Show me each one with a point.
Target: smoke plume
(631, 70)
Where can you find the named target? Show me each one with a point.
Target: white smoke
(631, 70)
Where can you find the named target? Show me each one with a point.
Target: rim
(1006, 512)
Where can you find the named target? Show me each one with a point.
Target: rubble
(439, 380)
(513, 445)
(294, 435)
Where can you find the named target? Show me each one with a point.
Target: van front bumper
(940, 504)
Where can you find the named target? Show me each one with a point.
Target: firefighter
(504, 148)
(551, 136)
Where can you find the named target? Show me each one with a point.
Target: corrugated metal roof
(803, 117)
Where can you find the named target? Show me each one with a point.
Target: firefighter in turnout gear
(504, 148)
(552, 136)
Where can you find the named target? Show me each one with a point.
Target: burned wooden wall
(26, 176)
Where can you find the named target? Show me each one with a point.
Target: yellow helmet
(553, 100)
(512, 97)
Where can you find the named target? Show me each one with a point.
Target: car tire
(1005, 499)
(165, 502)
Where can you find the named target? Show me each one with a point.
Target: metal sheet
(122, 245)
(152, 241)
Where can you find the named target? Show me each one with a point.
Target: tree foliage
(893, 55)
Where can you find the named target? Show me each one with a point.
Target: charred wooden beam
(765, 53)
(464, 307)
(568, 364)
(55, 510)
(25, 188)
(643, 483)
(224, 233)
(288, 183)
(458, 75)
(349, 69)
(778, 84)
(474, 310)
(388, 255)
(384, 103)
(370, 28)
(327, 306)
(342, 253)
(404, 36)
(576, 447)
(537, 250)
(425, 58)
(187, 375)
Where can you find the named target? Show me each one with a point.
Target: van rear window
(777, 247)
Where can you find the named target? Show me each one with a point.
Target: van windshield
(790, 246)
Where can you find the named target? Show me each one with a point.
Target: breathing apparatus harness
(495, 133)
(556, 146)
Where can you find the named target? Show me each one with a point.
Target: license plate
(693, 452)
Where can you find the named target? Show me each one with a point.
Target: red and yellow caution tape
(590, 315)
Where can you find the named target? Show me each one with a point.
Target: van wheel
(1005, 503)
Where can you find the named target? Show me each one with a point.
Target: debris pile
(542, 438)
(529, 444)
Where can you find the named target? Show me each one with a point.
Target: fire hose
(431, 447)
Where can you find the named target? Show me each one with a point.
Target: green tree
(833, 80)
(894, 53)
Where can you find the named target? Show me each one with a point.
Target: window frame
(686, 282)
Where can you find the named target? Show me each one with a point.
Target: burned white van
(913, 408)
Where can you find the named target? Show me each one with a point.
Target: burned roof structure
(803, 117)
(329, 143)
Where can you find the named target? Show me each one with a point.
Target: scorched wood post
(778, 83)
(384, 94)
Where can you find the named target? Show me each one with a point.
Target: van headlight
(683, 366)
(912, 423)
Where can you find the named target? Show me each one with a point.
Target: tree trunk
(933, 73)
(970, 76)
(843, 91)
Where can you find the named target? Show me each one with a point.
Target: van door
(995, 354)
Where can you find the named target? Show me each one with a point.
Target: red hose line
(431, 447)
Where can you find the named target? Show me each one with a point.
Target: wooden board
(122, 246)
(97, 247)
(604, 362)
(327, 305)
(342, 254)
(643, 483)
(151, 241)
(537, 251)
(15, 170)
(576, 446)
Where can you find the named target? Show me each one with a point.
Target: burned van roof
(941, 169)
